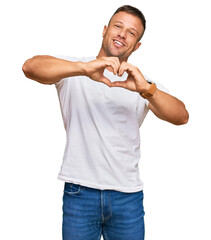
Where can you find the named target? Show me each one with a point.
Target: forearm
(168, 108)
(49, 70)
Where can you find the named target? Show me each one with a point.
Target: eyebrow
(123, 24)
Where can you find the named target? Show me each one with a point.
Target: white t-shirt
(102, 124)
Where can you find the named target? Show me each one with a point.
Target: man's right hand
(95, 69)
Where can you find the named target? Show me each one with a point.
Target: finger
(114, 63)
(123, 67)
(106, 81)
(118, 84)
(117, 63)
(114, 68)
(111, 65)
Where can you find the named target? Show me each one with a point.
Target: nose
(122, 34)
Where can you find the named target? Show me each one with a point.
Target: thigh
(81, 218)
(127, 219)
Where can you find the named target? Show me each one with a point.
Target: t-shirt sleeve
(60, 83)
(63, 86)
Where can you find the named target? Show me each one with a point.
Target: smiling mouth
(119, 43)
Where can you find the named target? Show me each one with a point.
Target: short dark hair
(134, 11)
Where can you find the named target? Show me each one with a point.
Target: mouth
(118, 43)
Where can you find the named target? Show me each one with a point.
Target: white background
(175, 163)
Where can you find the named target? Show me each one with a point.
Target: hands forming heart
(134, 82)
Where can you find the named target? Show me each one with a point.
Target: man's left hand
(135, 80)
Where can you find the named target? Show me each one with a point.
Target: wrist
(147, 87)
(81, 68)
(149, 90)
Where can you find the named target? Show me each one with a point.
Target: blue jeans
(90, 213)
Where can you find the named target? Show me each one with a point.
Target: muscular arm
(49, 70)
(168, 108)
(163, 105)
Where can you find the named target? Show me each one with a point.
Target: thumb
(106, 81)
(118, 84)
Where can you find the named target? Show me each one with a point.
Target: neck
(102, 53)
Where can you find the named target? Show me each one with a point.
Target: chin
(115, 54)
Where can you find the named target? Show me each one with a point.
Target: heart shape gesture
(134, 82)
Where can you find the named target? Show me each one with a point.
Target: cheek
(133, 45)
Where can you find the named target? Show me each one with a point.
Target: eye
(132, 33)
(117, 26)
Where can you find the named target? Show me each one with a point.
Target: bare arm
(49, 70)
(163, 105)
(168, 108)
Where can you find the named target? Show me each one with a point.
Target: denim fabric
(90, 213)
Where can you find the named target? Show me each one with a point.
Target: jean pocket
(72, 189)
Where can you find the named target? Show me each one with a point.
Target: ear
(104, 30)
(138, 44)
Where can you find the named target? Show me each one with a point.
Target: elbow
(183, 119)
(186, 117)
(35, 69)
(27, 68)
(30, 66)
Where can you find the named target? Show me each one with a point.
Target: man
(104, 100)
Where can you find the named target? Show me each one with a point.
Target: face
(121, 37)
